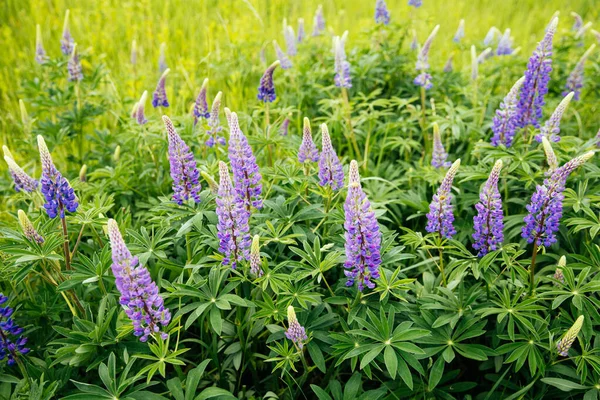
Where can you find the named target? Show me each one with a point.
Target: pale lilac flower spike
(551, 128)
(290, 41)
(318, 21)
(441, 215)
(159, 97)
(460, 32)
(439, 156)
(575, 79)
(284, 60)
(301, 32)
(20, 178)
(138, 111)
(551, 159)
(28, 228)
(66, 42)
(330, 168)
(74, 66)
(422, 66)
(295, 332)
(201, 104)
(565, 343)
(308, 151)
(40, 52)
(255, 261)
(214, 125)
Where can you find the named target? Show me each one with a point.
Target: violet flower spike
(460, 32)
(40, 52)
(184, 171)
(162, 58)
(255, 261)
(565, 343)
(505, 44)
(159, 97)
(382, 14)
(342, 66)
(266, 89)
(505, 121)
(439, 156)
(232, 227)
(20, 178)
(28, 228)
(441, 214)
(74, 66)
(140, 297)
(577, 21)
(57, 191)
(285, 126)
(201, 104)
(295, 332)
(138, 112)
(284, 60)
(301, 31)
(331, 171)
(490, 35)
(318, 21)
(12, 342)
(551, 128)
(488, 223)
(214, 124)
(575, 79)
(308, 151)
(448, 66)
(290, 41)
(66, 42)
(422, 65)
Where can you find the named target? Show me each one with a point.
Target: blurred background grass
(222, 39)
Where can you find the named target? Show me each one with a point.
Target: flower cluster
(159, 97)
(214, 125)
(550, 156)
(284, 60)
(331, 171)
(441, 215)
(285, 126)
(74, 66)
(308, 151)
(20, 178)
(255, 262)
(28, 228)
(488, 222)
(138, 109)
(382, 14)
(575, 79)
(66, 41)
(266, 89)
(295, 332)
(439, 156)
(505, 121)
(12, 343)
(460, 32)
(318, 21)
(290, 41)
(342, 66)
(201, 104)
(40, 52)
(424, 78)
(551, 128)
(505, 44)
(565, 343)
(301, 31)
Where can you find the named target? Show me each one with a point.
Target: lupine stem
(441, 265)
(532, 268)
(188, 246)
(349, 122)
(67, 252)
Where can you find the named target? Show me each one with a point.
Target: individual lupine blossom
(535, 85)
(266, 88)
(565, 343)
(460, 32)
(331, 171)
(138, 111)
(301, 31)
(577, 21)
(21, 179)
(448, 66)
(505, 121)
(162, 58)
(74, 66)
(139, 298)
(488, 224)
(12, 343)
(290, 41)
(232, 227)
(415, 3)
(439, 156)
(28, 228)
(40, 52)
(159, 97)
(424, 78)
(308, 151)
(505, 44)
(474, 64)
(214, 124)
(545, 209)
(183, 167)
(66, 42)
(285, 126)
(295, 332)
(490, 35)
(382, 14)
(575, 79)
(318, 21)
(362, 237)
(201, 104)
(441, 215)
(551, 128)
(342, 66)
(285, 61)
(133, 57)
(57, 191)
(246, 176)
(558, 274)
(255, 262)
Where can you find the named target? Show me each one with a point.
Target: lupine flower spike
(460, 32)
(490, 35)
(330, 168)
(21, 179)
(448, 66)
(382, 14)
(284, 60)
(56, 189)
(66, 42)
(201, 105)
(28, 228)
(545, 209)
(246, 176)
(266, 89)
(140, 298)
(139, 115)
(565, 343)
(301, 31)
(255, 262)
(159, 97)
(308, 151)
(290, 41)
(285, 126)
(488, 223)
(318, 21)
(535, 85)
(505, 44)
(551, 128)
(214, 125)
(577, 21)
(505, 121)
(363, 238)
(183, 167)
(232, 228)
(295, 332)
(415, 3)
(12, 343)
(74, 66)
(422, 66)
(558, 274)
(439, 156)
(575, 79)
(441, 215)
(342, 66)
(550, 156)
(40, 53)
(162, 58)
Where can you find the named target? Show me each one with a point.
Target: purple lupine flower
(74, 66)
(415, 3)
(139, 298)
(342, 66)
(414, 44)
(565, 343)
(448, 66)
(246, 176)
(441, 215)
(363, 238)
(12, 343)
(284, 60)
(28, 228)
(201, 105)
(266, 89)
(505, 121)
(183, 167)
(439, 156)
(57, 191)
(133, 56)
(162, 58)
(424, 78)
(551, 159)
(460, 32)
(214, 124)
(577, 21)
(535, 85)
(295, 332)
(490, 35)
(285, 126)
(505, 44)
(488, 224)
(318, 21)
(255, 262)
(21, 179)
(575, 79)
(66, 42)
(331, 171)
(138, 111)
(232, 228)
(40, 52)
(551, 128)
(290, 41)
(308, 151)
(301, 31)
(382, 14)
(545, 210)
(159, 97)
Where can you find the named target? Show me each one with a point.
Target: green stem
(67, 252)
(532, 268)
(349, 122)
(188, 246)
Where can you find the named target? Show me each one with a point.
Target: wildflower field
(255, 199)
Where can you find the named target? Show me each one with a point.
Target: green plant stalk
(188, 247)
(532, 268)
(349, 122)
(66, 250)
